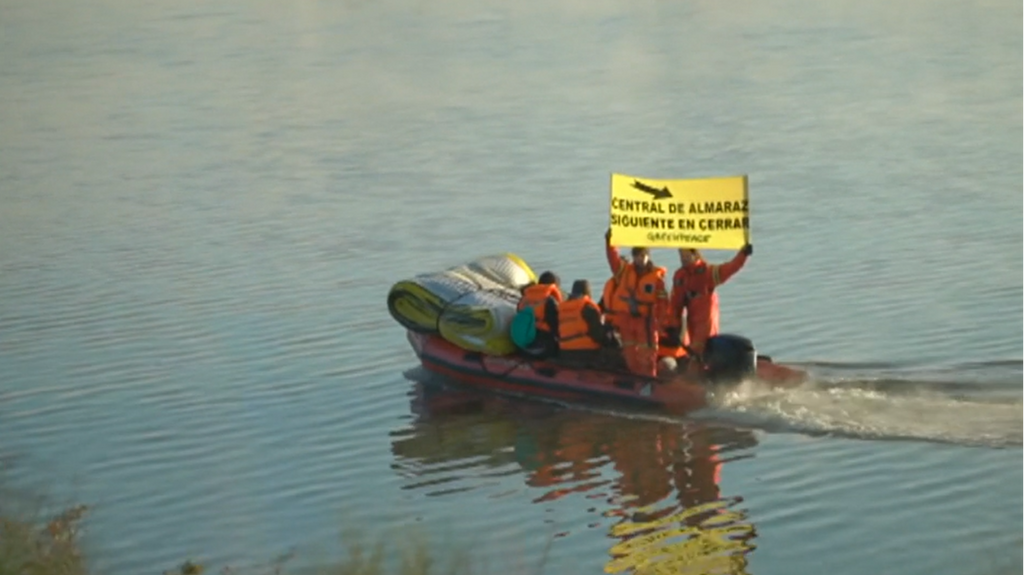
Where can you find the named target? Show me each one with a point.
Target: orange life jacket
(534, 296)
(573, 331)
(636, 295)
(670, 351)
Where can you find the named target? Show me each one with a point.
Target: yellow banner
(707, 213)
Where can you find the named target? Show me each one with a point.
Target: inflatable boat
(522, 375)
(458, 320)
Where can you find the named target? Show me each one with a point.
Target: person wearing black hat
(583, 337)
(543, 298)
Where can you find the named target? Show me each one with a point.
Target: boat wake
(967, 404)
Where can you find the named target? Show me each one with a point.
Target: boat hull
(523, 376)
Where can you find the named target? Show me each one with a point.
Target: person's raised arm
(614, 260)
(722, 272)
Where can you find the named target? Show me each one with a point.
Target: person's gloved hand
(611, 338)
(748, 249)
(608, 235)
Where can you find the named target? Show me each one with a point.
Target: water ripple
(658, 477)
(194, 262)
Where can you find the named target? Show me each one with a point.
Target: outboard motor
(729, 358)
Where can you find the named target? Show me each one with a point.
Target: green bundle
(469, 305)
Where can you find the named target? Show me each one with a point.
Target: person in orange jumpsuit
(693, 293)
(638, 306)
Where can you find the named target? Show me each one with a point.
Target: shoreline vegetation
(33, 544)
(29, 546)
(52, 546)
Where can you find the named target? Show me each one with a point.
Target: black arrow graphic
(655, 192)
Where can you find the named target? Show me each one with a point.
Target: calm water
(203, 206)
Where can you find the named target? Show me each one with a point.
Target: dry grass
(415, 558)
(29, 546)
(36, 545)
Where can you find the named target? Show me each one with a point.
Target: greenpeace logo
(678, 237)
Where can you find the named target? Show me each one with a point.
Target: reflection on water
(659, 480)
(202, 209)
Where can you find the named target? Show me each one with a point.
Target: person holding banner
(693, 293)
(638, 306)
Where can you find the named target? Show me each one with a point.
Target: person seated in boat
(637, 304)
(547, 285)
(543, 297)
(583, 338)
(672, 351)
(694, 296)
